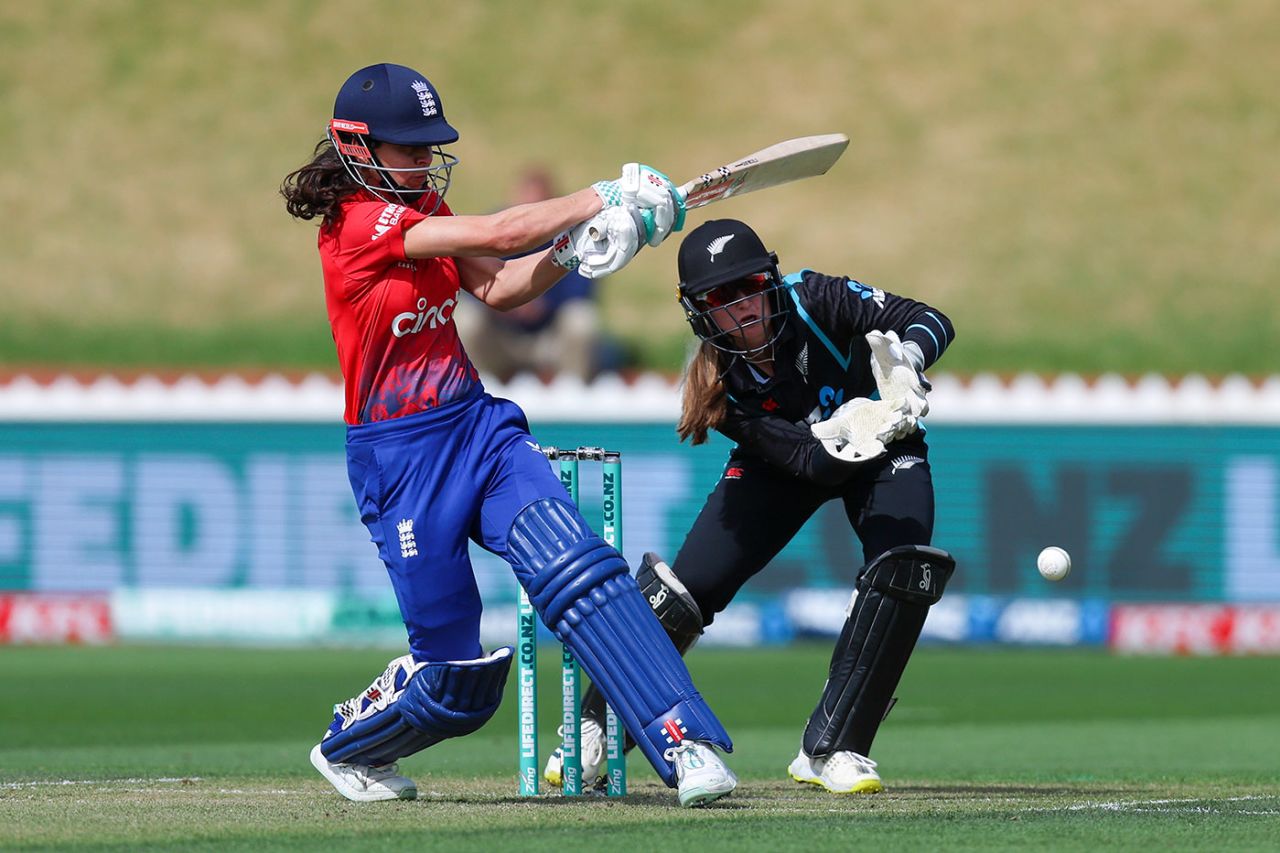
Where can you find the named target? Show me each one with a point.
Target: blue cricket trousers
(427, 483)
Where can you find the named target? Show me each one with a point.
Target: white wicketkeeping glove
(898, 379)
(603, 244)
(858, 430)
(660, 203)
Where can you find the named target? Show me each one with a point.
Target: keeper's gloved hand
(897, 373)
(603, 244)
(660, 203)
(859, 430)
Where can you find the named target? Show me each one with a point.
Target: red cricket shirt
(392, 316)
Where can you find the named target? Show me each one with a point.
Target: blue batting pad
(415, 705)
(583, 591)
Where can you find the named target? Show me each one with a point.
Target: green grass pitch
(199, 748)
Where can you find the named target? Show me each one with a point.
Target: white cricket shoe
(701, 775)
(840, 773)
(590, 747)
(363, 783)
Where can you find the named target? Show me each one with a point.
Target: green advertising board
(1152, 513)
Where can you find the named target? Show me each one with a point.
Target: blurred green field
(1088, 186)
(181, 748)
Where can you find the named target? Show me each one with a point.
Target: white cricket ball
(1054, 563)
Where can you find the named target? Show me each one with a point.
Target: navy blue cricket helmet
(392, 103)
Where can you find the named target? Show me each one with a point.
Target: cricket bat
(781, 163)
(803, 157)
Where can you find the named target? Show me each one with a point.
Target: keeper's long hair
(318, 188)
(703, 400)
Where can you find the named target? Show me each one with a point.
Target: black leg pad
(894, 593)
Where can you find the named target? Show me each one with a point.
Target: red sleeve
(371, 237)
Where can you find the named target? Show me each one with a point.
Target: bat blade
(803, 157)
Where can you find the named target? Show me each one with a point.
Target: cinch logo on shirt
(431, 316)
(389, 217)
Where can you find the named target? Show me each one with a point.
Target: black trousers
(755, 510)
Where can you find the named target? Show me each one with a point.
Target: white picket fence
(648, 398)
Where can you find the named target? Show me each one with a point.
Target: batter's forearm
(503, 285)
(507, 232)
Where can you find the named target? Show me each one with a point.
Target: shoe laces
(378, 773)
(860, 762)
(674, 753)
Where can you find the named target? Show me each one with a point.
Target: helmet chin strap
(405, 196)
(409, 198)
(762, 356)
(763, 353)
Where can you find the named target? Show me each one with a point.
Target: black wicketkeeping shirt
(821, 360)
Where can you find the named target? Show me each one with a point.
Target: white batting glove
(650, 190)
(859, 430)
(660, 203)
(610, 192)
(603, 244)
(898, 377)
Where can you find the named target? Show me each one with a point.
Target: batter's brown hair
(318, 188)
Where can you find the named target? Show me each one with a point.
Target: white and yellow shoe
(590, 747)
(840, 773)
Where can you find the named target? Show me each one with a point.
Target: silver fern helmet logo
(802, 360)
(902, 463)
(717, 245)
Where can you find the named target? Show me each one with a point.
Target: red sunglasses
(732, 291)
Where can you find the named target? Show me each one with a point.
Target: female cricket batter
(786, 369)
(434, 461)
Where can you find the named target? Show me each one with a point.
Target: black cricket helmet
(722, 263)
(392, 103)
